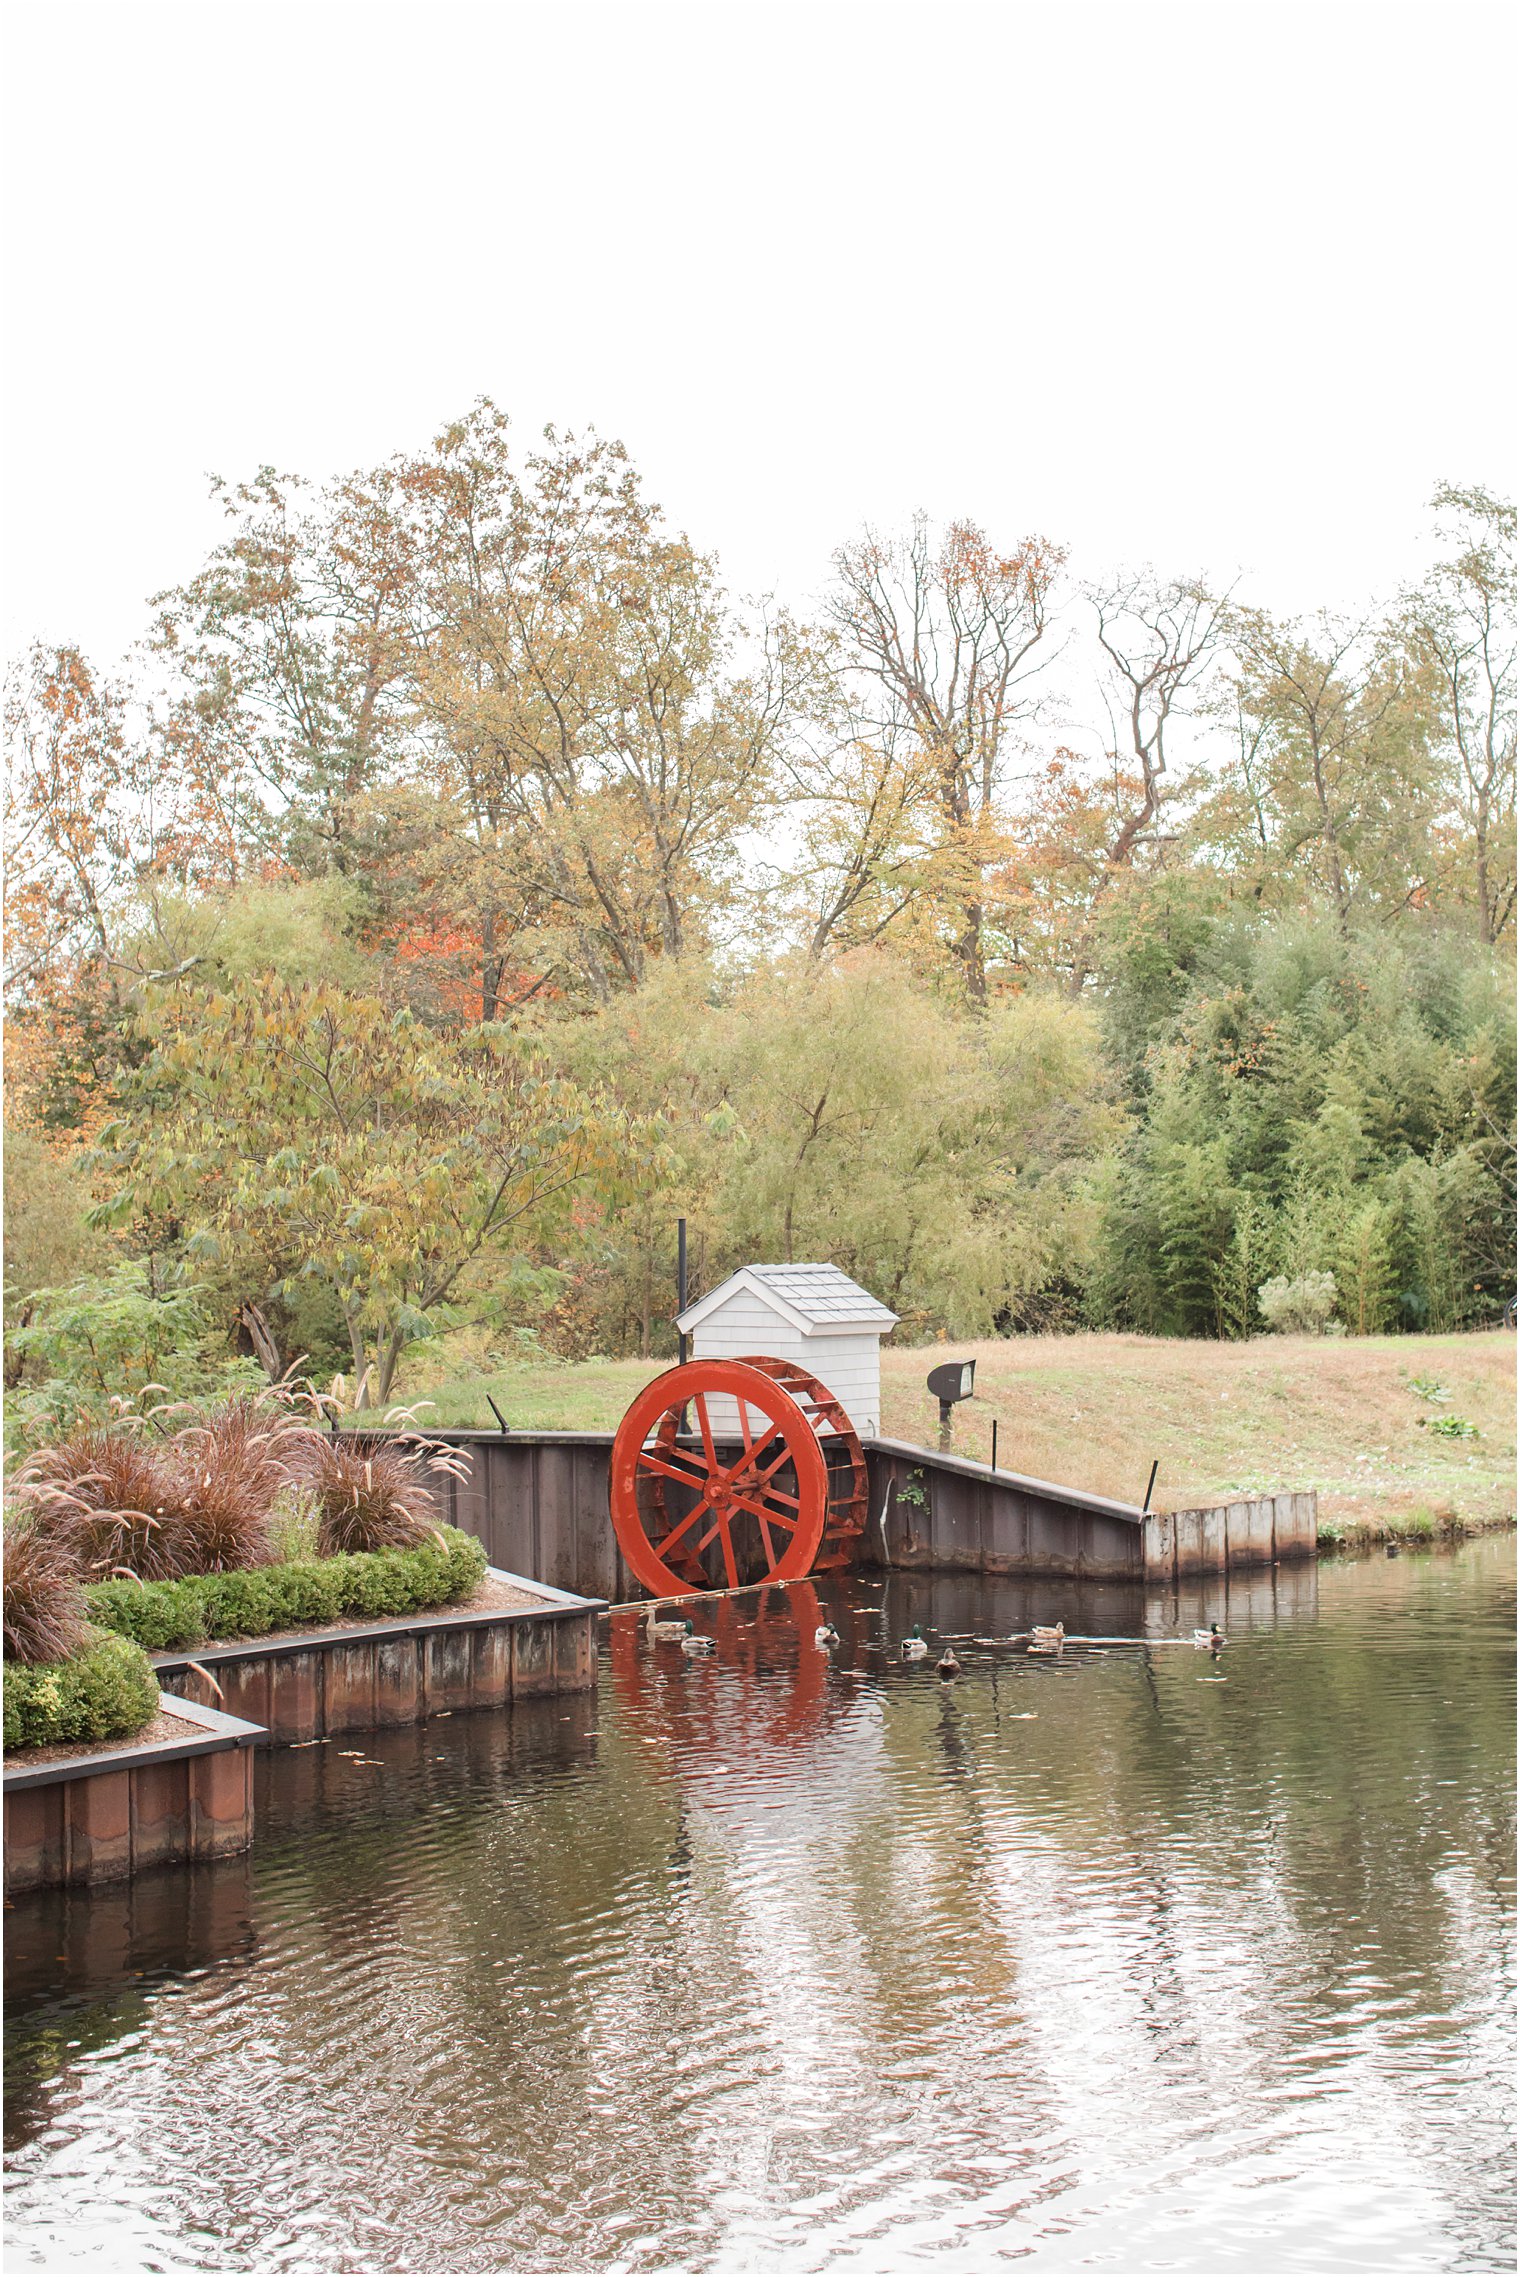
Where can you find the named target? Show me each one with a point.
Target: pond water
(781, 1962)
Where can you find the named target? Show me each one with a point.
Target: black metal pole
(681, 1279)
(1150, 1482)
(994, 1443)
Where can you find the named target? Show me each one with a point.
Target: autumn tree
(862, 854)
(91, 831)
(944, 638)
(1462, 624)
(867, 843)
(609, 725)
(1158, 638)
(301, 1133)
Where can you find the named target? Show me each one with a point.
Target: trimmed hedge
(163, 1616)
(108, 1691)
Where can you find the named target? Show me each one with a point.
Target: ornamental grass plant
(114, 1499)
(246, 1523)
(44, 1601)
(370, 1497)
(234, 1469)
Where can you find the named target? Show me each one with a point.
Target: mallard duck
(825, 1635)
(693, 1644)
(663, 1632)
(1054, 1636)
(913, 1645)
(947, 1665)
(1212, 1636)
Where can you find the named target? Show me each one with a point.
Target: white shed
(813, 1315)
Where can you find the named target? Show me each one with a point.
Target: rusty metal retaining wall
(1269, 1529)
(539, 1503)
(942, 1511)
(101, 1818)
(394, 1672)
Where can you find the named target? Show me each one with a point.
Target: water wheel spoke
(668, 1470)
(753, 1449)
(708, 1449)
(773, 1493)
(763, 1477)
(718, 1532)
(766, 1517)
(696, 1511)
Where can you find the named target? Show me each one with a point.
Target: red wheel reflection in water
(767, 1687)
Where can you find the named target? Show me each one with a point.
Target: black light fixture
(949, 1383)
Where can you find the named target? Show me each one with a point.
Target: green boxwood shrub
(155, 1613)
(108, 1691)
(165, 1616)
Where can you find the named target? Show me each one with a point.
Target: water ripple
(789, 1963)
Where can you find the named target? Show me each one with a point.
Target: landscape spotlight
(949, 1383)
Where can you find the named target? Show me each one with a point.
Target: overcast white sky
(1222, 286)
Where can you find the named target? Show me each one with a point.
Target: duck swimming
(1055, 1636)
(1212, 1636)
(947, 1666)
(825, 1635)
(694, 1645)
(913, 1645)
(663, 1632)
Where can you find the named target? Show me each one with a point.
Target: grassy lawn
(1338, 1415)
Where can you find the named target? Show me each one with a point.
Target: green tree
(1317, 1102)
(1364, 1275)
(300, 1133)
(851, 1112)
(288, 702)
(1243, 1267)
(131, 1336)
(47, 1198)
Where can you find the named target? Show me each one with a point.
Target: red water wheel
(729, 1472)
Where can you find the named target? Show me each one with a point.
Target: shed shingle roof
(820, 1296)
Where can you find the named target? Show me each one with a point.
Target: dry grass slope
(1340, 1416)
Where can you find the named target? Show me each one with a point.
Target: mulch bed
(163, 1730)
